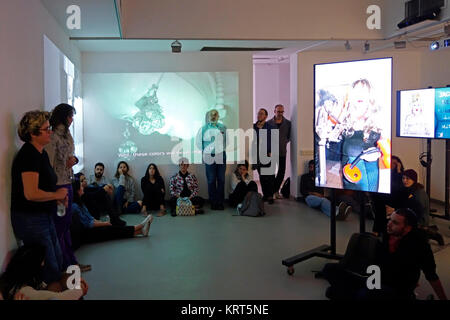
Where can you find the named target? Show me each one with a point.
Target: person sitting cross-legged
(315, 198)
(184, 185)
(98, 200)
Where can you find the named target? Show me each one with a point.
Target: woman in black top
(152, 185)
(34, 193)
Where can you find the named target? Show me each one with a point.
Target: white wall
(165, 62)
(251, 19)
(436, 73)
(21, 86)
(406, 74)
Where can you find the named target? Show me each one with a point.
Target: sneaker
(344, 211)
(146, 228)
(341, 210)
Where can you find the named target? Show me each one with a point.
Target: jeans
(39, 229)
(280, 174)
(119, 201)
(62, 226)
(267, 183)
(321, 203)
(215, 175)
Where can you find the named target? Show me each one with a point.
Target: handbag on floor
(185, 207)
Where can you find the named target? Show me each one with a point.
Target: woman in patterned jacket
(185, 185)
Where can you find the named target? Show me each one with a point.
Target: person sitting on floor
(184, 185)
(22, 279)
(414, 197)
(152, 185)
(252, 204)
(240, 180)
(86, 229)
(315, 198)
(124, 193)
(98, 199)
(404, 252)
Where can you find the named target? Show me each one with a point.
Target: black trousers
(239, 193)
(267, 183)
(153, 199)
(99, 202)
(198, 202)
(99, 234)
(280, 174)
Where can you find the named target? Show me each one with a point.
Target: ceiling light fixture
(366, 46)
(347, 45)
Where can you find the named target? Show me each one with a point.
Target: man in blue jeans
(213, 142)
(314, 197)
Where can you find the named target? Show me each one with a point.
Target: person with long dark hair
(85, 229)
(124, 190)
(152, 185)
(240, 180)
(61, 154)
(34, 192)
(22, 279)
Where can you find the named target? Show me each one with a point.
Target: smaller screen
(424, 113)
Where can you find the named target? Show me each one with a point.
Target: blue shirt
(85, 217)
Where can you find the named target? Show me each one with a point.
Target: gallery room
(333, 122)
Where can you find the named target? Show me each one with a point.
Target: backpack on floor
(185, 207)
(286, 189)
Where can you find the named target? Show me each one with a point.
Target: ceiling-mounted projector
(420, 10)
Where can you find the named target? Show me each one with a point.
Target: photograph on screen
(442, 101)
(417, 113)
(147, 117)
(352, 125)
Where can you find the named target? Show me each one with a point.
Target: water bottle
(61, 210)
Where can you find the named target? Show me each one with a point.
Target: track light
(366, 46)
(176, 46)
(347, 45)
(434, 45)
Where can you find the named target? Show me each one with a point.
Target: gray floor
(220, 256)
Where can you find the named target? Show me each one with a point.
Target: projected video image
(424, 113)
(146, 117)
(352, 125)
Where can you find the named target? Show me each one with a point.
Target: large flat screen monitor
(352, 125)
(424, 113)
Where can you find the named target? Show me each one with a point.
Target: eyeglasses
(48, 129)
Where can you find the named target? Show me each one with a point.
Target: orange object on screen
(385, 146)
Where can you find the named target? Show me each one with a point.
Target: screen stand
(327, 251)
(446, 215)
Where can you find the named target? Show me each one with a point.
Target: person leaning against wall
(284, 126)
(34, 194)
(61, 155)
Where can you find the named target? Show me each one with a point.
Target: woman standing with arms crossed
(61, 154)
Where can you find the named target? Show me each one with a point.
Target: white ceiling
(100, 32)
